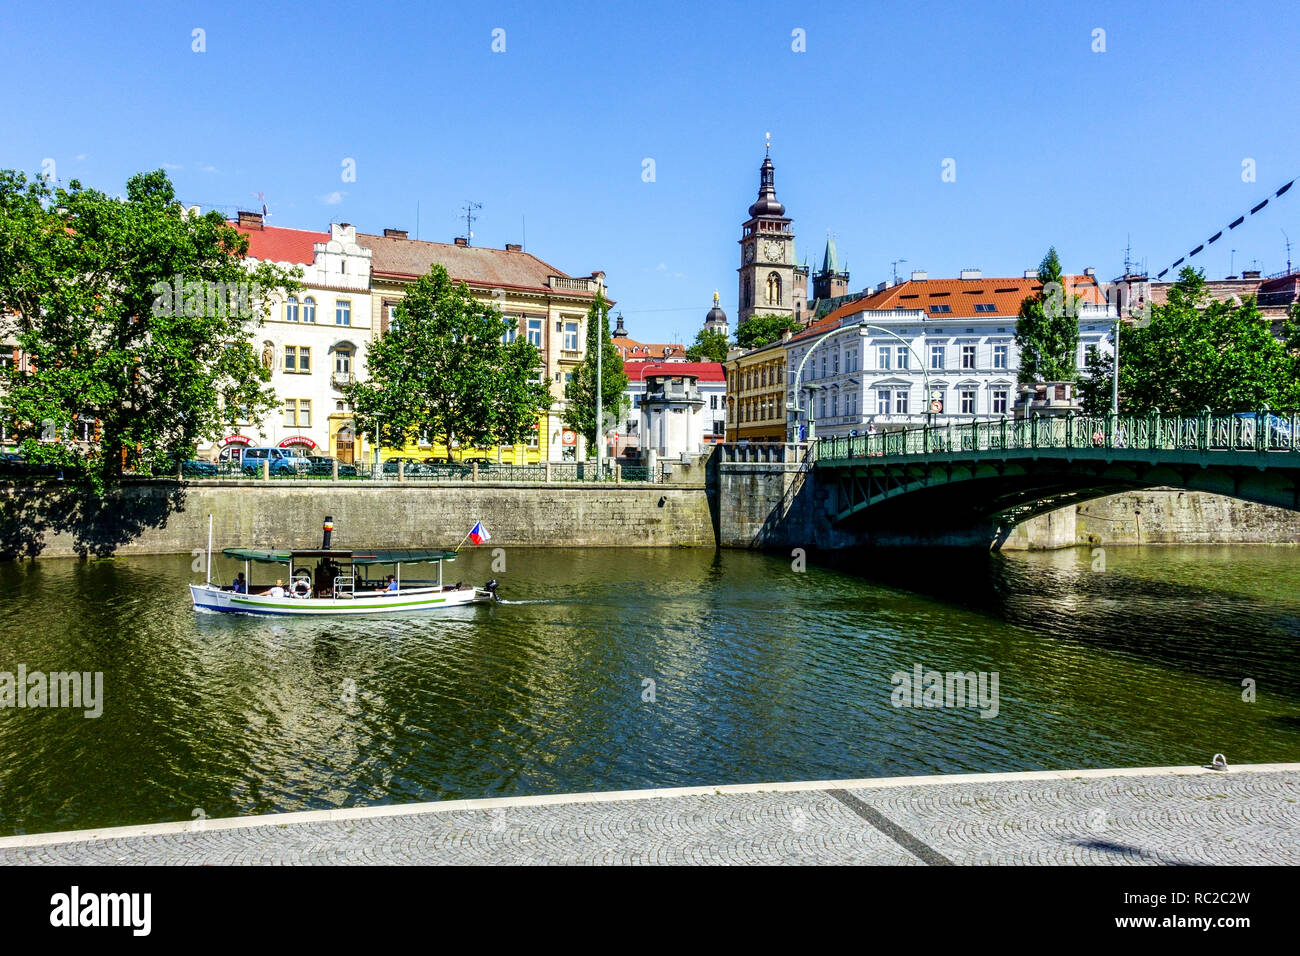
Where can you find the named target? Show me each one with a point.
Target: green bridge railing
(1260, 431)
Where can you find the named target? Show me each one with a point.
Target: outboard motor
(329, 531)
(491, 588)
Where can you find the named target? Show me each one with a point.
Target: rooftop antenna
(1128, 255)
(1288, 251)
(1232, 258)
(894, 265)
(470, 206)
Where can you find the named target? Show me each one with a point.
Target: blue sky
(1053, 143)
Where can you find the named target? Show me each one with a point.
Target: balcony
(565, 284)
(341, 379)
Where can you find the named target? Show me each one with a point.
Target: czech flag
(478, 534)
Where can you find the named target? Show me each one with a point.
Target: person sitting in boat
(278, 590)
(390, 588)
(239, 586)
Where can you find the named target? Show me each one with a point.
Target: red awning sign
(236, 440)
(298, 440)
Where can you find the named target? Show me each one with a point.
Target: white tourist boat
(333, 581)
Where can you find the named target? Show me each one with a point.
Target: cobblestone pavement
(1152, 818)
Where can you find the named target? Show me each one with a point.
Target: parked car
(324, 465)
(283, 461)
(479, 460)
(15, 465)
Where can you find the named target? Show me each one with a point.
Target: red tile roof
(274, 244)
(961, 296)
(474, 265)
(634, 351)
(703, 371)
(824, 324)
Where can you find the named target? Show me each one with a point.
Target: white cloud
(208, 169)
(171, 165)
(333, 199)
(80, 156)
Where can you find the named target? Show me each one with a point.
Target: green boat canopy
(366, 556)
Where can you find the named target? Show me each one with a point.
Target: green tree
(759, 330)
(134, 315)
(709, 346)
(1198, 353)
(1096, 387)
(443, 366)
(1047, 329)
(580, 393)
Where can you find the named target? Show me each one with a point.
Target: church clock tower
(767, 266)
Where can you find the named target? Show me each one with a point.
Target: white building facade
(314, 341)
(893, 368)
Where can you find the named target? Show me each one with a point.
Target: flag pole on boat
(209, 561)
(478, 532)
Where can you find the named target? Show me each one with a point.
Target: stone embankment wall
(153, 518)
(1158, 516)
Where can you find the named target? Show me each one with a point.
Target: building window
(291, 309)
(985, 307)
(309, 309)
(343, 361)
(940, 309)
(999, 356)
(835, 404)
(936, 356)
(851, 360)
(570, 336)
(968, 356)
(900, 401)
(823, 366)
(393, 324)
(882, 356)
(900, 353)
(297, 358)
(297, 413)
(967, 400)
(713, 403)
(535, 332)
(999, 401)
(773, 289)
(342, 312)
(511, 333)
(882, 401)
(835, 362)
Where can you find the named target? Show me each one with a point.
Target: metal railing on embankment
(440, 473)
(1257, 431)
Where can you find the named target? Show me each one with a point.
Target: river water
(617, 669)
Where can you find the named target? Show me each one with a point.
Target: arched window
(748, 294)
(309, 309)
(291, 309)
(773, 289)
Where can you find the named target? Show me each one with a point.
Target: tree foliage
(1095, 387)
(760, 330)
(580, 393)
(136, 319)
(709, 346)
(1198, 353)
(444, 367)
(1047, 329)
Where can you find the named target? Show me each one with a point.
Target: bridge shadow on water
(1185, 619)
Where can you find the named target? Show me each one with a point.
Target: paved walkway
(1168, 815)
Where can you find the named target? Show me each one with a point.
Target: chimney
(514, 247)
(920, 276)
(462, 241)
(394, 233)
(1250, 273)
(1090, 271)
(1031, 273)
(882, 286)
(971, 274)
(327, 532)
(250, 220)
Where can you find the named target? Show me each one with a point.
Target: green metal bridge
(1003, 472)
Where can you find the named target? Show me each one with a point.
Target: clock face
(773, 251)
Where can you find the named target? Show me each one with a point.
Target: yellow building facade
(549, 308)
(756, 395)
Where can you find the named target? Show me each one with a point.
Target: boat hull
(211, 598)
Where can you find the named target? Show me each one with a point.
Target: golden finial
(769, 142)
(715, 296)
